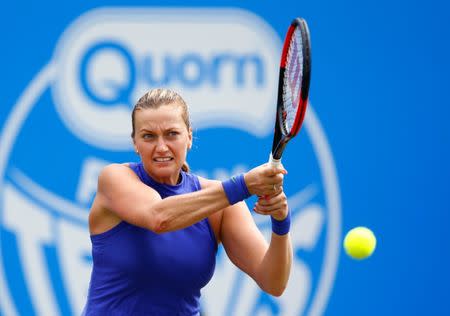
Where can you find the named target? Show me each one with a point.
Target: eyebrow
(167, 129)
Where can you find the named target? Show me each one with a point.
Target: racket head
(293, 85)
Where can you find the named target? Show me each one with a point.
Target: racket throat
(277, 151)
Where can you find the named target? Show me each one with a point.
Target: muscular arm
(268, 264)
(121, 192)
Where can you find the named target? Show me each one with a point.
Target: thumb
(274, 170)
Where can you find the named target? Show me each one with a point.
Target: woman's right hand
(265, 179)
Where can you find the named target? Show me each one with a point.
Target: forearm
(180, 211)
(183, 210)
(273, 273)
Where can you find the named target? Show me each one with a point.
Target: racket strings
(292, 79)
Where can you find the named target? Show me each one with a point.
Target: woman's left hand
(275, 205)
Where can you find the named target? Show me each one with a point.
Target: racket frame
(281, 135)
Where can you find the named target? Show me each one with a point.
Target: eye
(148, 136)
(173, 133)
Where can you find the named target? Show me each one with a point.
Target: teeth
(162, 159)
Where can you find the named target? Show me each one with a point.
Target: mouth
(162, 159)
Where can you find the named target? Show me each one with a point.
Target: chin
(165, 171)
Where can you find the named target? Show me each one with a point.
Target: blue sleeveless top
(138, 272)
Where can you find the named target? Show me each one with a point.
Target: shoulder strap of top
(194, 180)
(135, 167)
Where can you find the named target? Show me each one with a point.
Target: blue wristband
(281, 227)
(235, 189)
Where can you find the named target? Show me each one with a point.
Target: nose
(161, 145)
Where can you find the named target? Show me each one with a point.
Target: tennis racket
(293, 87)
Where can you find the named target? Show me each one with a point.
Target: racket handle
(274, 162)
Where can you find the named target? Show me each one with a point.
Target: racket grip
(274, 162)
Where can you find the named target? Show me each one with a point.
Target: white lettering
(74, 247)
(33, 227)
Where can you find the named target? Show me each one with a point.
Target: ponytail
(185, 167)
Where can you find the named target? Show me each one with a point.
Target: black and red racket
(293, 87)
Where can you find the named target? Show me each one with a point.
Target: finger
(272, 188)
(259, 212)
(275, 191)
(278, 189)
(262, 211)
(270, 199)
(271, 192)
(276, 180)
(276, 204)
(274, 170)
(283, 170)
(273, 184)
(267, 212)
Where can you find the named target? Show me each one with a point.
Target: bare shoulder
(115, 173)
(116, 169)
(101, 218)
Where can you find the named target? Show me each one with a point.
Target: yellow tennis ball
(359, 243)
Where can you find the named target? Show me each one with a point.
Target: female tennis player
(155, 226)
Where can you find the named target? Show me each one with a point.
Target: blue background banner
(374, 150)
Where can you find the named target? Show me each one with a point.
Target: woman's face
(162, 140)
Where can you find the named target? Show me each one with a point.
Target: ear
(189, 146)
(135, 147)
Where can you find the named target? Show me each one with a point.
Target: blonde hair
(155, 98)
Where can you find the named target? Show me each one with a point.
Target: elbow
(159, 223)
(276, 291)
(159, 229)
